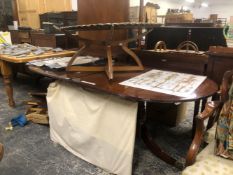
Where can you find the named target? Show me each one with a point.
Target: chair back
(224, 89)
(225, 85)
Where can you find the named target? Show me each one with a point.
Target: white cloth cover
(99, 128)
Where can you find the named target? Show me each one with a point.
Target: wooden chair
(206, 162)
(187, 45)
(160, 45)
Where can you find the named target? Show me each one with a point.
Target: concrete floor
(29, 150)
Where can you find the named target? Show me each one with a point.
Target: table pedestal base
(154, 148)
(151, 144)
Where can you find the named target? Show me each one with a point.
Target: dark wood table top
(98, 82)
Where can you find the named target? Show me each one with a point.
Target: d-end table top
(100, 83)
(28, 58)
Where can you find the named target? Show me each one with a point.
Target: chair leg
(1, 151)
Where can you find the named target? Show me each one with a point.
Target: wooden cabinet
(48, 40)
(52, 40)
(204, 37)
(28, 11)
(18, 36)
(174, 61)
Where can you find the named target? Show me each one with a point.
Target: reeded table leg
(7, 75)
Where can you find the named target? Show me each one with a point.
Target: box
(179, 18)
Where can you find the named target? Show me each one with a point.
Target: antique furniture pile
(104, 76)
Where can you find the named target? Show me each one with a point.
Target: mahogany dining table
(98, 82)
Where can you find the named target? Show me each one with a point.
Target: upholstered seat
(207, 163)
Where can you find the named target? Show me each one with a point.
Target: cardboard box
(179, 18)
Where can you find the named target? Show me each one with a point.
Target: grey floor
(29, 150)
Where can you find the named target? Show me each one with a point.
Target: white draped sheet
(97, 127)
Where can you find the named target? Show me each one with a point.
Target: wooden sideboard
(193, 63)
(204, 37)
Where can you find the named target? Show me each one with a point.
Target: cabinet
(20, 36)
(28, 11)
(204, 37)
(52, 40)
(192, 63)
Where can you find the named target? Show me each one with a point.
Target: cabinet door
(28, 13)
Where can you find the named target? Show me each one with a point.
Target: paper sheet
(173, 83)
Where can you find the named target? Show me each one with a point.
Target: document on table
(172, 83)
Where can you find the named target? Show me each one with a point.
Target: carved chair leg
(7, 76)
(109, 68)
